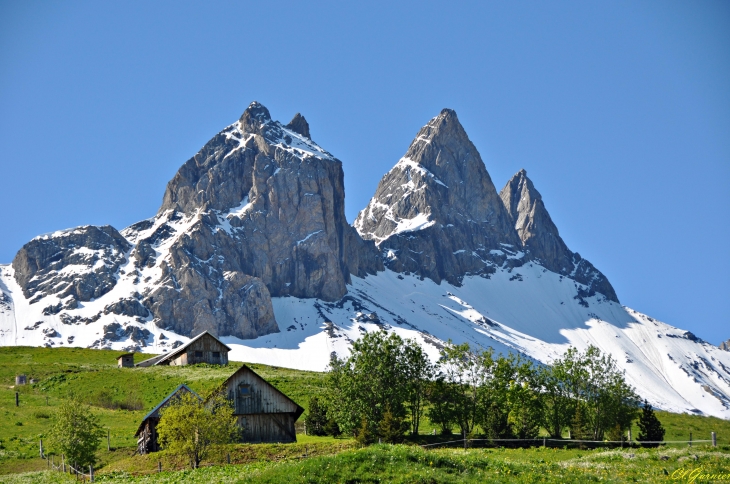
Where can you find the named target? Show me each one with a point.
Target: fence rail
(545, 440)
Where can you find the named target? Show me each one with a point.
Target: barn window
(244, 390)
(216, 354)
(198, 354)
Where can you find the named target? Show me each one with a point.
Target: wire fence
(546, 442)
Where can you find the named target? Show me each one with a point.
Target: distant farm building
(263, 412)
(20, 380)
(204, 348)
(126, 360)
(147, 431)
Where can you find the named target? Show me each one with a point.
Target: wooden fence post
(108, 444)
(17, 399)
(228, 458)
(91, 473)
(63, 463)
(714, 439)
(159, 466)
(41, 448)
(690, 439)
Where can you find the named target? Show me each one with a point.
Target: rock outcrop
(437, 213)
(725, 345)
(267, 211)
(257, 212)
(76, 265)
(540, 237)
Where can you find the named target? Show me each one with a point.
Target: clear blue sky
(619, 112)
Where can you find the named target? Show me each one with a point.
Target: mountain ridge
(251, 243)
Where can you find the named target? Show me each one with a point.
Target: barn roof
(164, 401)
(125, 354)
(173, 354)
(243, 368)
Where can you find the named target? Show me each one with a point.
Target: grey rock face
(91, 256)
(299, 125)
(437, 213)
(268, 210)
(725, 345)
(539, 236)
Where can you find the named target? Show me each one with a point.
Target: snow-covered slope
(251, 242)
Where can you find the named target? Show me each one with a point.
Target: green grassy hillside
(93, 375)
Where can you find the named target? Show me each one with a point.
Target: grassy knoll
(92, 372)
(408, 464)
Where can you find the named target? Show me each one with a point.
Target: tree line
(382, 391)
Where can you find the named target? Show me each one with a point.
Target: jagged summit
(299, 125)
(254, 117)
(251, 243)
(437, 213)
(541, 239)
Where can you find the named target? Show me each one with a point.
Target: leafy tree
(189, 428)
(76, 433)
(596, 385)
(524, 400)
(441, 410)
(650, 429)
(558, 394)
(494, 405)
(373, 379)
(418, 373)
(465, 372)
(579, 428)
(316, 419)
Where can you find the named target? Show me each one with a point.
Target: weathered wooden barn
(264, 413)
(147, 431)
(126, 360)
(204, 348)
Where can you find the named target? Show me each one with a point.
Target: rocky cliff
(436, 213)
(257, 212)
(541, 240)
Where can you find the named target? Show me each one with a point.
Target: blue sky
(619, 112)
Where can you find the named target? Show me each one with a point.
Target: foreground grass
(409, 464)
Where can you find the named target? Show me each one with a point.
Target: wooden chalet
(264, 413)
(204, 348)
(147, 431)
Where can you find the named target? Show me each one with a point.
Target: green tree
(189, 428)
(494, 406)
(651, 430)
(524, 400)
(558, 394)
(419, 371)
(465, 373)
(441, 409)
(373, 379)
(596, 385)
(316, 419)
(76, 433)
(392, 428)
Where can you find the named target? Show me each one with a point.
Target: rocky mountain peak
(299, 125)
(541, 239)
(254, 117)
(436, 212)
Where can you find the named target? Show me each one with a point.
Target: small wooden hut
(126, 360)
(204, 348)
(20, 380)
(264, 413)
(147, 431)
